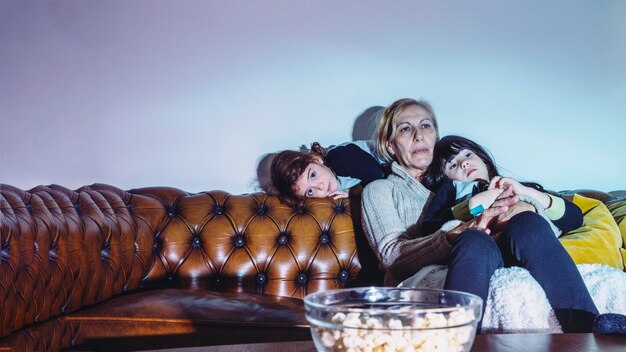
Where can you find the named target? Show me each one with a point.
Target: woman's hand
(499, 224)
(499, 182)
(482, 222)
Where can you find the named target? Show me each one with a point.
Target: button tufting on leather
(261, 210)
(240, 241)
(196, 242)
(325, 237)
(260, 279)
(53, 252)
(105, 253)
(302, 279)
(283, 239)
(122, 225)
(343, 275)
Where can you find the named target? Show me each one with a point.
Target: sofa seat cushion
(190, 317)
(49, 335)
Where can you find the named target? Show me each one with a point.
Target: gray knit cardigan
(392, 209)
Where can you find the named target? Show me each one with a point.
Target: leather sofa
(100, 268)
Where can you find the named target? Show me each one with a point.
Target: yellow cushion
(599, 239)
(618, 209)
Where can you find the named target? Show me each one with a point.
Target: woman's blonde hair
(386, 127)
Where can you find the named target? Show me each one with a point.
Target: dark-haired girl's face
(466, 166)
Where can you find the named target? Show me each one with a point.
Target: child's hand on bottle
(338, 194)
(485, 198)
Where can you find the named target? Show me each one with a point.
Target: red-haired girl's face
(317, 181)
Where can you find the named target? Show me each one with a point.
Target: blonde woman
(393, 207)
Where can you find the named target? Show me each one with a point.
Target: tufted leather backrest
(63, 249)
(249, 243)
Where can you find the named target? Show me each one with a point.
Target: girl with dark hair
(393, 210)
(466, 181)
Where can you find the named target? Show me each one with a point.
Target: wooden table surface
(482, 343)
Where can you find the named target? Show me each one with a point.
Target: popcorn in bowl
(392, 319)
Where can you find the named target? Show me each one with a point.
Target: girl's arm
(564, 214)
(439, 209)
(339, 194)
(567, 220)
(391, 238)
(483, 200)
(352, 161)
(399, 251)
(519, 189)
(444, 207)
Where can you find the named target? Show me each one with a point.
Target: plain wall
(192, 94)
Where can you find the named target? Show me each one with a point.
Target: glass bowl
(392, 319)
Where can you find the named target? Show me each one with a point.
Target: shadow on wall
(365, 124)
(363, 129)
(263, 179)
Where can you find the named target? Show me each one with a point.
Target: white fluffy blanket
(517, 304)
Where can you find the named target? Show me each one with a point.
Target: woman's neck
(417, 174)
